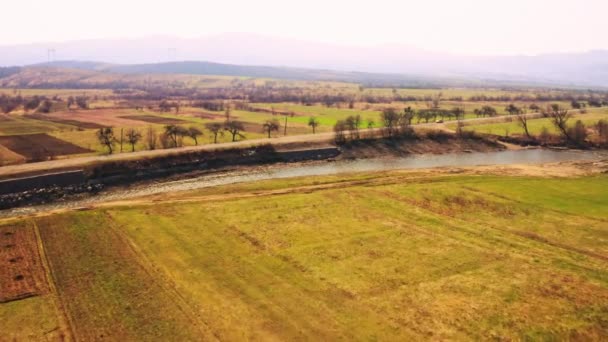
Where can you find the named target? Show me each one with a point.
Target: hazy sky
(461, 26)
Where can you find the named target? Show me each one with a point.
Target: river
(257, 173)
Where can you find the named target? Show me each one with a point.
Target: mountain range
(268, 55)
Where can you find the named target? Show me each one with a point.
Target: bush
(578, 133)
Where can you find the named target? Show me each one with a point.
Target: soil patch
(212, 116)
(21, 272)
(79, 124)
(37, 147)
(153, 119)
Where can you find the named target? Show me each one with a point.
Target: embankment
(46, 187)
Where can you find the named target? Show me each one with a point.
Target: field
(21, 272)
(535, 126)
(39, 146)
(373, 256)
(137, 107)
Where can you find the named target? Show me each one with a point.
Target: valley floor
(470, 253)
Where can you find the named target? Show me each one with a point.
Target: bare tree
(522, 118)
(216, 129)
(602, 131)
(270, 126)
(339, 129)
(151, 138)
(194, 133)
(133, 137)
(106, 138)
(559, 117)
(313, 122)
(512, 109)
(285, 127)
(390, 119)
(175, 133)
(234, 128)
(408, 115)
(353, 122)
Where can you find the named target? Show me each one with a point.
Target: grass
(30, 319)
(372, 256)
(535, 126)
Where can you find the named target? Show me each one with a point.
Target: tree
(82, 102)
(227, 113)
(151, 138)
(164, 106)
(106, 138)
(270, 126)
(70, 102)
(534, 107)
(285, 127)
(578, 133)
(313, 122)
(522, 118)
(45, 106)
(32, 103)
(390, 119)
(408, 115)
(133, 137)
(194, 133)
(175, 132)
(602, 131)
(437, 100)
(234, 128)
(216, 129)
(339, 129)
(458, 113)
(559, 117)
(353, 122)
(512, 109)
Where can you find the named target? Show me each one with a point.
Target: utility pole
(285, 128)
(121, 139)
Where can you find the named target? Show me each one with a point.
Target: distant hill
(87, 74)
(151, 54)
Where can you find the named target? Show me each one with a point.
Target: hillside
(237, 49)
(87, 74)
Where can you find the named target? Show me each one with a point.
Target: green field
(535, 126)
(377, 256)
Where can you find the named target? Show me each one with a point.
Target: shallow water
(532, 156)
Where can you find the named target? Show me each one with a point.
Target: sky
(486, 27)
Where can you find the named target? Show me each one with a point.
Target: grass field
(535, 126)
(377, 256)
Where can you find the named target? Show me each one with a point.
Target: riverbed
(319, 168)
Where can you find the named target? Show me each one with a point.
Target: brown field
(95, 270)
(104, 117)
(77, 123)
(8, 157)
(153, 119)
(210, 116)
(21, 272)
(39, 146)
